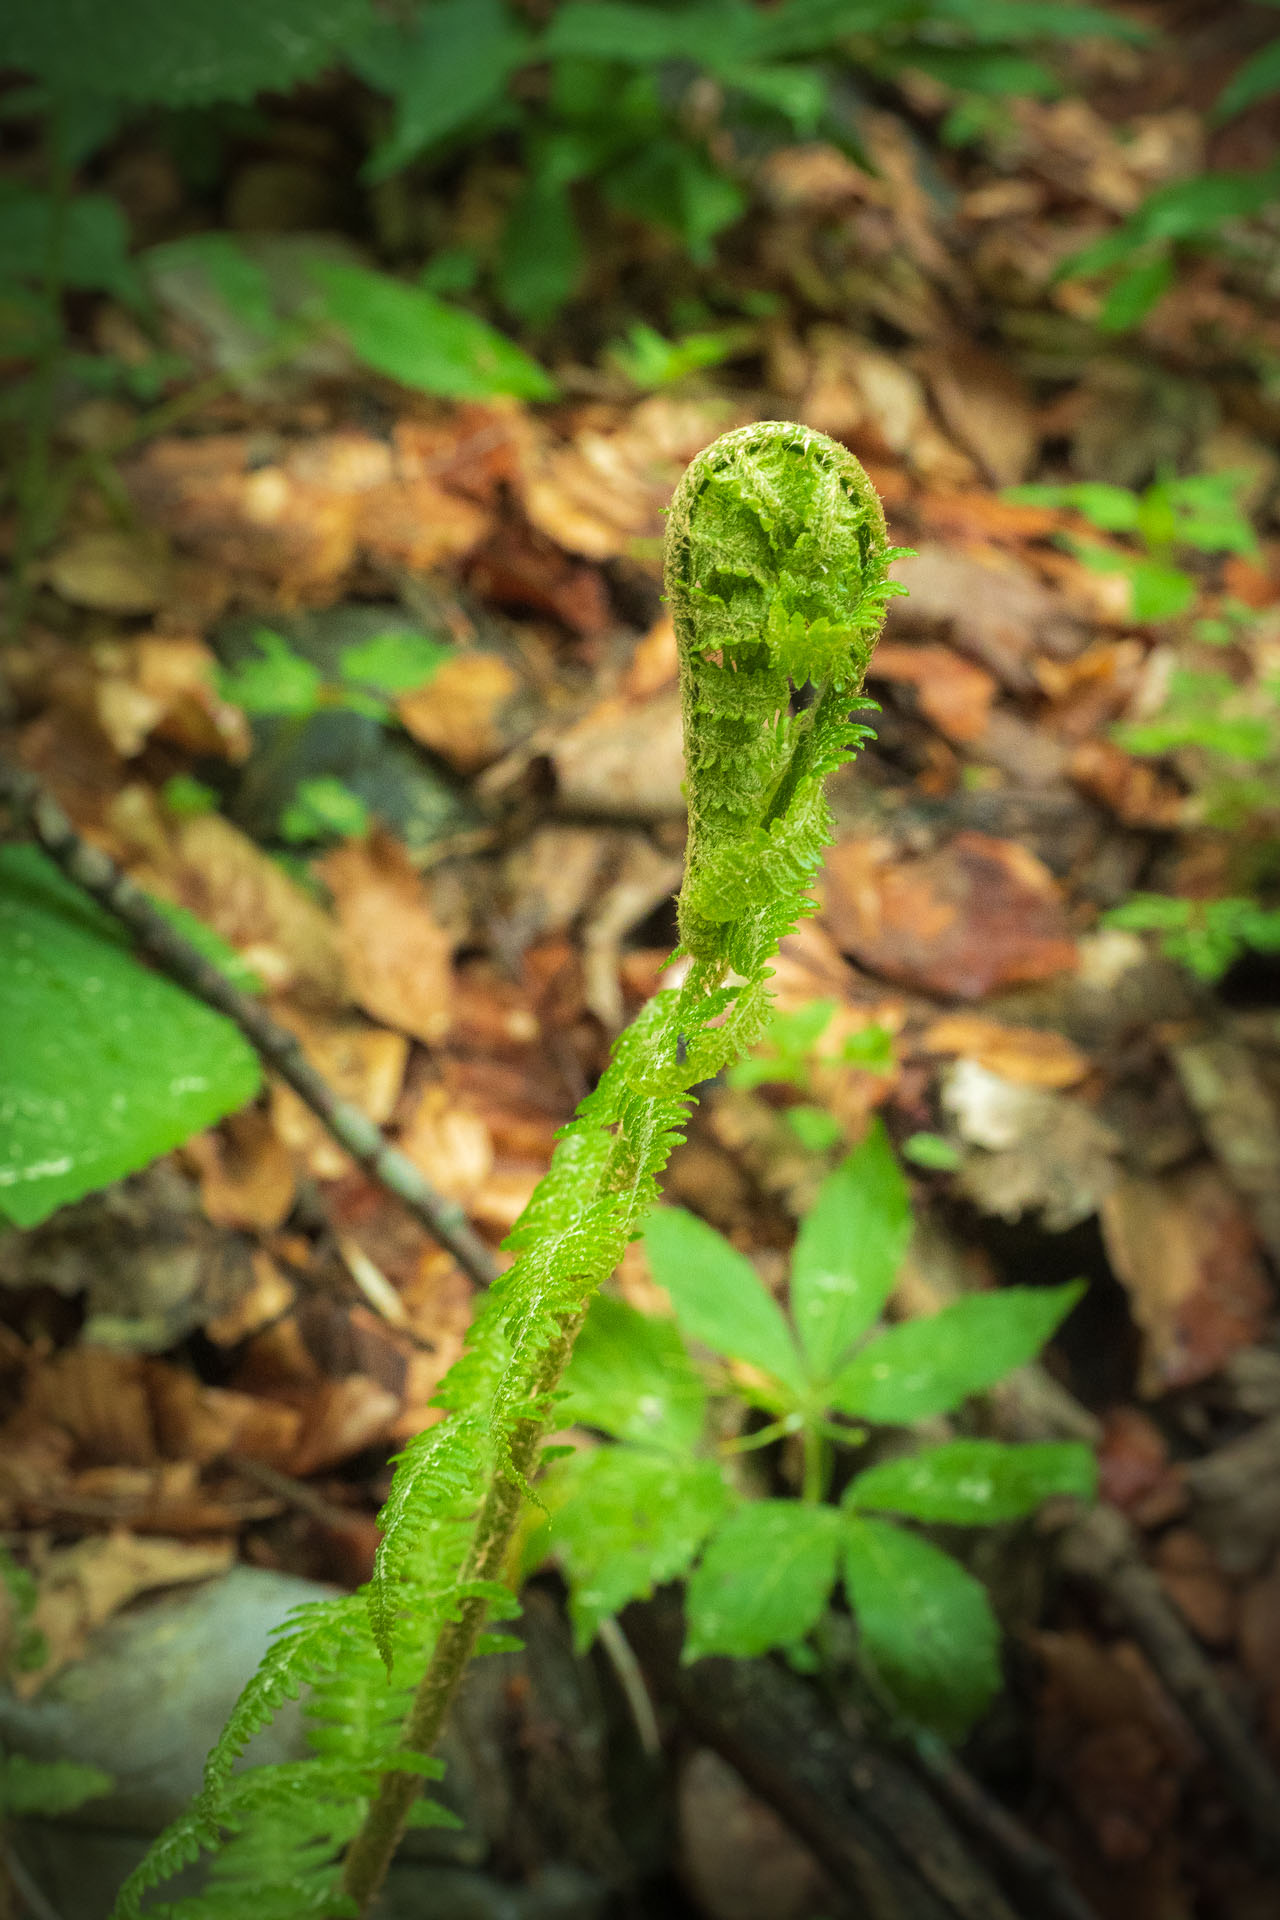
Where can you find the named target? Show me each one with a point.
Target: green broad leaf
(668, 183)
(104, 1065)
(718, 1298)
(542, 254)
(1157, 591)
(176, 56)
(924, 1624)
(993, 72)
(324, 808)
(932, 1151)
(416, 339)
(47, 1788)
(186, 797)
(709, 35)
(1138, 289)
(816, 1129)
(783, 1053)
(1110, 509)
(393, 663)
(631, 1377)
(848, 1251)
(929, 1366)
(94, 246)
(624, 1520)
(279, 681)
(239, 281)
(974, 1483)
(764, 1580)
(1257, 79)
(446, 70)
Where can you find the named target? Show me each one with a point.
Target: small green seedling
(658, 1503)
(1200, 511)
(277, 683)
(792, 1053)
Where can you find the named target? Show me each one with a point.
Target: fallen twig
(891, 1850)
(1100, 1546)
(99, 877)
(1035, 1867)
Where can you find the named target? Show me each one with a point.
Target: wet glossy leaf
(764, 1580)
(973, 1483)
(625, 1520)
(631, 1377)
(848, 1251)
(718, 1297)
(924, 1624)
(929, 1366)
(104, 1065)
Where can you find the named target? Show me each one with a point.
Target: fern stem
(371, 1852)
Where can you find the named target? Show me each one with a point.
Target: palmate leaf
(928, 1366)
(631, 1519)
(925, 1625)
(973, 1483)
(848, 1251)
(631, 1377)
(420, 341)
(765, 1579)
(718, 1298)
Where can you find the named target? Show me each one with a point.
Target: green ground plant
(1215, 212)
(660, 1502)
(34, 1788)
(777, 571)
(628, 110)
(1222, 729)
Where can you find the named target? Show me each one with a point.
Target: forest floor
(214, 1360)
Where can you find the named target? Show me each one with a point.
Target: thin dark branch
(1100, 1546)
(1028, 1862)
(99, 877)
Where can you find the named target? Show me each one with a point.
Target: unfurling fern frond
(777, 572)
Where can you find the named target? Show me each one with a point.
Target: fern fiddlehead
(777, 573)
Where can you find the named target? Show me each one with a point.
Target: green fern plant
(777, 571)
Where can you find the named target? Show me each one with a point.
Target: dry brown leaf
(976, 914)
(80, 1587)
(604, 490)
(625, 759)
(246, 1175)
(111, 570)
(815, 177)
(953, 693)
(655, 662)
(268, 1297)
(457, 713)
(986, 407)
(415, 524)
(1028, 1056)
(449, 1144)
(100, 1398)
(341, 1418)
(397, 955)
(1186, 1254)
(991, 607)
(1134, 790)
(156, 685)
(363, 1064)
(1040, 1150)
(207, 865)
